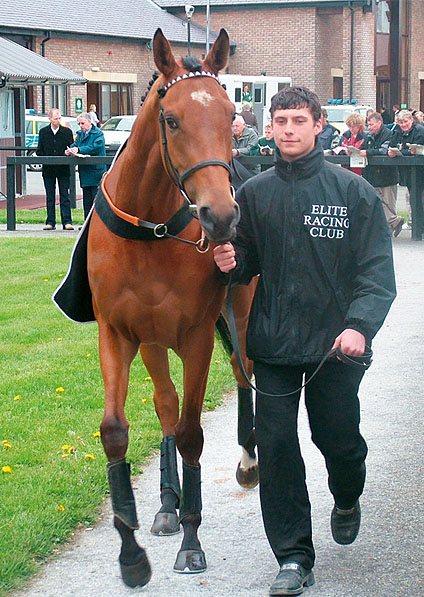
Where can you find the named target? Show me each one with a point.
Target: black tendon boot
(190, 558)
(121, 492)
(166, 520)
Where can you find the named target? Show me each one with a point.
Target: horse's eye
(172, 123)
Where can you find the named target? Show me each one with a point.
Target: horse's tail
(223, 332)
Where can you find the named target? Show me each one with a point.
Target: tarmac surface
(387, 558)
(385, 561)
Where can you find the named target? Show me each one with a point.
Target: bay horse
(164, 292)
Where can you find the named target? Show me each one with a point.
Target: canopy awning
(19, 66)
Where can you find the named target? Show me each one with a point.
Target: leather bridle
(174, 176)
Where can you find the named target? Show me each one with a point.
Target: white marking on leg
(246, 461)
(202, 96)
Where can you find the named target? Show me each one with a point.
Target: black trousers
(88, 196)
(332, 404)
(65, 201)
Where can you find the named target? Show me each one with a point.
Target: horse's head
(195, 123)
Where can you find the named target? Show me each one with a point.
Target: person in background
(419, 116)
(408, 131)
(383, 178)
(53, 140)
(244, 139)
(330, 135)
(93, 114)
(385, 115)
(265, 145)
(247, 96)
(318, 237)
(90, 141)
(354, 136)
(249, 117)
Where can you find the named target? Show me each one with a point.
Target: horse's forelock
(192, 64)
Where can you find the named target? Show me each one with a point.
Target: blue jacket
(91, 144)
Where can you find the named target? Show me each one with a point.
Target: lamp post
(189, 10)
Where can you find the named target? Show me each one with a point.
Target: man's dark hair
(296, 97)
(375, 116)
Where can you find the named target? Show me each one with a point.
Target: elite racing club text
(327, 221)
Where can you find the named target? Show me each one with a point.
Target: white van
(260, 89)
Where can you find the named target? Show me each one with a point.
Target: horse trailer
(257, 90)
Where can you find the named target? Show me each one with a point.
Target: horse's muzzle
(218, 228)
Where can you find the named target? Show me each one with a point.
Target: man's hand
(391, 154)
(225, 257)
(351, 342)
(235, 152)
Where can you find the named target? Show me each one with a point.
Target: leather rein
(161, 230)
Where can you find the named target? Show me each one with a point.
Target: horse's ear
(217, 58)
(162, 53)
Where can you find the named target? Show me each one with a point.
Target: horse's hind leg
(167, 408)
(247, 473)
(116, 355)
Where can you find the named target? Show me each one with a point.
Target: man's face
(294, 132)
(268, 133)
(85, 125)
(406, 124)
(55, 119)
(238, 127)
(374, 126)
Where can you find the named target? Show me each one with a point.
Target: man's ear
(318, 127)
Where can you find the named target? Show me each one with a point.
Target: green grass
(38, 216)
(45, 496)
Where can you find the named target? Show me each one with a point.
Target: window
(115, 100)
(58, 97)
(382, 22)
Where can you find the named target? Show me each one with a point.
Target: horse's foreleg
(116, 355)
(189, 436)
(155, 358)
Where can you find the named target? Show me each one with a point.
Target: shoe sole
(308, 581)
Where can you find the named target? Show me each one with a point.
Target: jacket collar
(303, 167)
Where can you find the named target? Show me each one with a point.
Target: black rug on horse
(73, 297)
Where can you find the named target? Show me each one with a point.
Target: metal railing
(265, 162)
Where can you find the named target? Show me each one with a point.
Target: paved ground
(385, 561)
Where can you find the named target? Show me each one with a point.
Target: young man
(318, 237)
(53, 140)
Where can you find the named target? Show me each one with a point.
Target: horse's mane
(190, 63)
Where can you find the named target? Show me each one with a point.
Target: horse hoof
(137, 575)
(190, 561)
(165, 523)
(247, 477)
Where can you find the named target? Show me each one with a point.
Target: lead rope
(362, 362)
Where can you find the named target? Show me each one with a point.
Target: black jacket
(54, 144)
(317, 235)
(379, 176)
(329, 136)
(400, 139)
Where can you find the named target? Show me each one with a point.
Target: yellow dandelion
(60, 389)
(217, 362)
(88, 354)
(61, 508)
(90, 457)
(78, 437)
(45, 279)
(17, 397)
(6, 469)
(148, 378)
(96, 434)
(144, 400)
(60, 275)
(65, 447)
(60, 339)
(71, 449)
(65, 455)
(6, 445)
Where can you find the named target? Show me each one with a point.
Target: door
(259, 95)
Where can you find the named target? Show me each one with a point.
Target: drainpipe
(43, 89)
(352, 31)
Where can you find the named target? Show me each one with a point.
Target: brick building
(369, 50)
